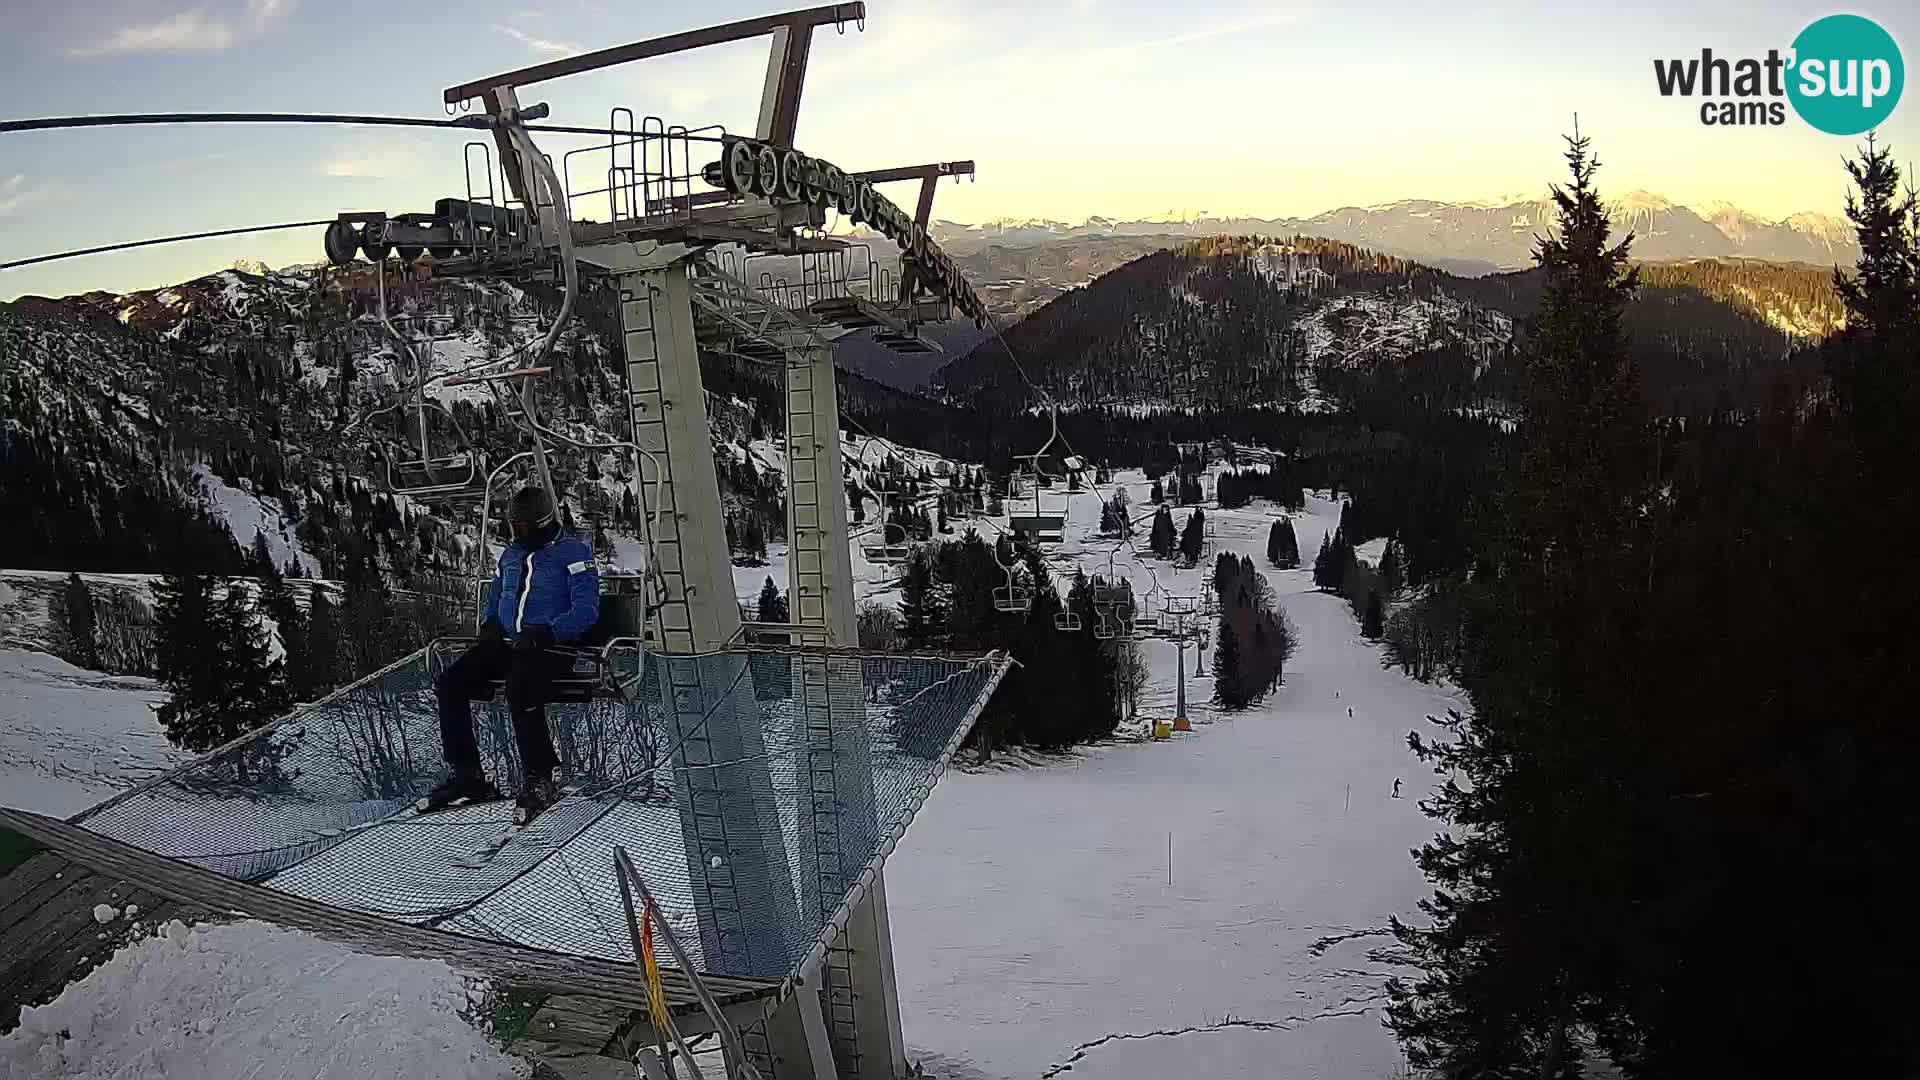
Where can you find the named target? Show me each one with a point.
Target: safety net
(751, 789)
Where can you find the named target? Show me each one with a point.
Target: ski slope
(1204, 907)
(1034, 924)
(70, 737)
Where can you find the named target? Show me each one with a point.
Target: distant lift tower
(716, 241)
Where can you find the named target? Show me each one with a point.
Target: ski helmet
(530, 512)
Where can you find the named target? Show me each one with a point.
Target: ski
(524, 819)
(421, 808)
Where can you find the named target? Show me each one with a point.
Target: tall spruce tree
(1516, 956)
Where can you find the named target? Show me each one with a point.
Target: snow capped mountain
(1476, 236)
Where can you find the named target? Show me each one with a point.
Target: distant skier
(545, 592)
(1396, 787)
(1349, 712)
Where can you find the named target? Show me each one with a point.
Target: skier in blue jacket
(545, 593)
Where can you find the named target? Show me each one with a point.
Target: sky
(1117, 108)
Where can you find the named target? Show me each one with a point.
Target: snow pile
(253, 1001)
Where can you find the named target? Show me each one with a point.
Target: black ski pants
(470, 678)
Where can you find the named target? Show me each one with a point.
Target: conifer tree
(1372, 623)
(1229, 689)
(261, 563)
(1289, 546)
(1193, 536)
(1392, 567)
(1161, 540)
(326, 658)
(214, 664)
(1509, 966)
(773, 603)
(1326, 566)
(79, 628)
(920, 614)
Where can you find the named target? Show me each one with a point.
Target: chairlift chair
(1012, 598)
(613, 650)
(455, 478)
(889, 551)
(1067, 621)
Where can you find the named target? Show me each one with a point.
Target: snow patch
(245, 513)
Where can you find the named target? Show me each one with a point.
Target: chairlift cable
(470, 122)
(124, 245)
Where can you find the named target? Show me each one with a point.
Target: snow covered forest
(1530, 575)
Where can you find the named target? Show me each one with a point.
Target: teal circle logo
(1846, 74)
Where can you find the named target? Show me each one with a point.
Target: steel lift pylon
(681, 262)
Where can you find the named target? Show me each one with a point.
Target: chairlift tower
(717, 241)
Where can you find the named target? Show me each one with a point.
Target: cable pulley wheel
(791, 181)
(819, 191)
(373, 242)
(341, 243)
(738, 169)
(409, 252)
(766, 172)
(845, 198)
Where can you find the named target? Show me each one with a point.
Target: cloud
(192, 162)
(687, 99)
(372, 157)
(15, 193)
(199, 29)
(1259, 22)
(540, 45)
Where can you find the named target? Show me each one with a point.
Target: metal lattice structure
(835, 750)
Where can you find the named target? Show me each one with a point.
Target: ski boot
(459, 788)
(538, 794)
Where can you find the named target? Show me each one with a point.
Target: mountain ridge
(1478, 236)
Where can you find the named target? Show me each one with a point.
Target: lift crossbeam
(805, 19)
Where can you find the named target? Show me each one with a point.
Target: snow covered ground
(255, 1002)
(1037, 922)
(1204, 907)
(71, 737)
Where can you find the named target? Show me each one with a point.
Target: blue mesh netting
(750, 788)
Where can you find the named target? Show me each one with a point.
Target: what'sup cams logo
(1843, 75)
